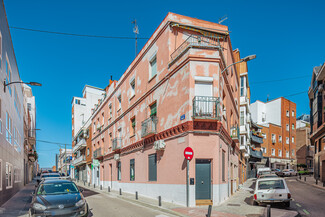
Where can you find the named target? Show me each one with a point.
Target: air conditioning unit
(117, 157)
(159, 145)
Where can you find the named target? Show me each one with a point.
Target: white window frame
(292, 152)
(287, 127)
(293, 139)
(7, 175)
(132, 85)
(17, 175)
(280, 138)
(0, 175)
(103, 118)
(273, 152)
(293, 126)
(264, 135)
(119, 99)
(288, 113)
(287, 154)
(280, 153)
(293, 113)
(8, 75)
(110, 110)
(152, 59)
(273, 138)
(287, 140)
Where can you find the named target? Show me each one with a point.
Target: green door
(203, 179)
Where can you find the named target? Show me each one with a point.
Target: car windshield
(50, 175)
(57, 188)
(269, 176)
(270, 184)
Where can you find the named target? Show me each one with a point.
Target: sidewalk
(18, 205)
(310, 180)
(238, 205)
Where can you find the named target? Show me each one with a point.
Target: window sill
(132, 136)
(132, 97)
(152, 78)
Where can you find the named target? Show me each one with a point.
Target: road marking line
(306, 211)
(298, 204)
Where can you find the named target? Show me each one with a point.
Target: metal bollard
(159, 200)
(299, 176)
(101, 187)
(109, 189)
(120, 191)
(316, 181)
(323, 184)
(94, 186)
(88, 184)
(268, 211)
(136, 195)
(84, 183)
(305, 178)
(209, 211)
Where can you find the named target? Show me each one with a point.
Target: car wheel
(255, 203)
(287, 204)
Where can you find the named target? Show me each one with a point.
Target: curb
(314, 185)
(165, 210)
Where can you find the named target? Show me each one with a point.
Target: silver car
(272, 190)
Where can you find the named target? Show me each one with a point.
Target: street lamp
(245, 59)
(20, 82)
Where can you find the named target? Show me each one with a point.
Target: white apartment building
(82, 108)
(64, 161)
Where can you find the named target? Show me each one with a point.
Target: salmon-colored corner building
(172, 96)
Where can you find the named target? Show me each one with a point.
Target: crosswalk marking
(306, 211)
(298, 204)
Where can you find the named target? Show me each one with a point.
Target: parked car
(276, 171)
(57, 197)
(262, 171)
(272, 175)
(287, 172)
(272, 190)
(48, 176)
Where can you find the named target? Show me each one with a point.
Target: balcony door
(203, 92)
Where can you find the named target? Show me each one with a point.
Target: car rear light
(255, 197)
(289, 195)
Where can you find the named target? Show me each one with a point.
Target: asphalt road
(307, 200)
(104, 205)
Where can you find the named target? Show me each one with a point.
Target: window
(132, 84)
(242, 140)
(287, 140)
(29, 106)
(94, 127)
(287, 127)
(77, 101)
(293, 113)
(0, 64)
(293, 152)
(153, 110)
(119, 170)
(119, 98)
(88, 152)
(280, 153)
(273, 138)
(241, 86)
(153, 167)
(110, 111)
(223, 166)
(8, 128)
(293, 139)
(273, 152)
(263, 150)
(103, 119)
(16, 175)
(242, 118)
(264, 135)
(287, 113)
(287, 153)
(8, 175)
(153, 66)
(263, 117)
(8, 75)
(280, 138)
(132, 170)
(133, 126)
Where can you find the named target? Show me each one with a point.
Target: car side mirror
(81, 190)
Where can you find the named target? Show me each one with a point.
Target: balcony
(206, 107)
(79, 160)
(98, 153)
(194, 41)
(256, 154)
(243, 148)
(234, 133)
(117, 144)
(149, 126)
(79, 145)
(32, 156)
(257, 137)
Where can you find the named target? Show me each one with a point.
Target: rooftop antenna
(222, 19)
(136, 32)
(267, 98)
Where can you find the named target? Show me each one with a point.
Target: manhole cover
(233, 204)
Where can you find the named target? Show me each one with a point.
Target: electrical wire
(50, 142)
(74, 34)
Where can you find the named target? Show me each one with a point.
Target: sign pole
(187, 183)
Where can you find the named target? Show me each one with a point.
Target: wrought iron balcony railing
(79, 160)
(117, 144)
(149, 126)
(80, 144)
(234, 132)
(206, 107)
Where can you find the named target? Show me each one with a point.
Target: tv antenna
(222, 19)
(136, 32)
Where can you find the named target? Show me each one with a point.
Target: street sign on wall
(188, 153)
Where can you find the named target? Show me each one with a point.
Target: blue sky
(287, 37)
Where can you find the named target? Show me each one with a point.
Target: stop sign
(188, 153)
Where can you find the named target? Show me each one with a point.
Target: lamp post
(20, 82)
(245, 59)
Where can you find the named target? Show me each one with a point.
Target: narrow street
(109, 205)
(307, 200)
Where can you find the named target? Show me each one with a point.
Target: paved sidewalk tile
(19, 204)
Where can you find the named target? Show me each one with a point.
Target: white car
(288, 172)
(272, 190)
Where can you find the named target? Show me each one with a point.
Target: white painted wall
(271, 109)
